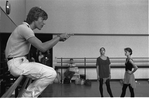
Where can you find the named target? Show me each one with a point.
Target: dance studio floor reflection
(73, 90)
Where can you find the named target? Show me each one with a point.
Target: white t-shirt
(17, 44)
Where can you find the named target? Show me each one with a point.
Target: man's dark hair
(35, 13)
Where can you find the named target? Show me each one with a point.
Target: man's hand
(129, 72)
(64, 36)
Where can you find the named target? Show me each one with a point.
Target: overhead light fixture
(8, 7)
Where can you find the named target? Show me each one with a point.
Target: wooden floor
(73, 90)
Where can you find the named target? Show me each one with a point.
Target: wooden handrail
(9, 92)
(96, 57)
(27, 81)
(92, 61)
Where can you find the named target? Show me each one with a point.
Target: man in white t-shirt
(18, 46)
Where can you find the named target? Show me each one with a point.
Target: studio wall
(88, 46)
(126, 18)
(94, 16)
(84, 17)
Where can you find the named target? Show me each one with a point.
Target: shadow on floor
(73, 90)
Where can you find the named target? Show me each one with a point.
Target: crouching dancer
(18, 46)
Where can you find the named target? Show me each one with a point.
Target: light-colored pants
(40, 73)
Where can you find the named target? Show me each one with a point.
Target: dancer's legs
(108, 87)
(124, 90)
(131, 91)
(101, 86)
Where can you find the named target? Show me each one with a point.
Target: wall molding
(102, 34)
(83, 34)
